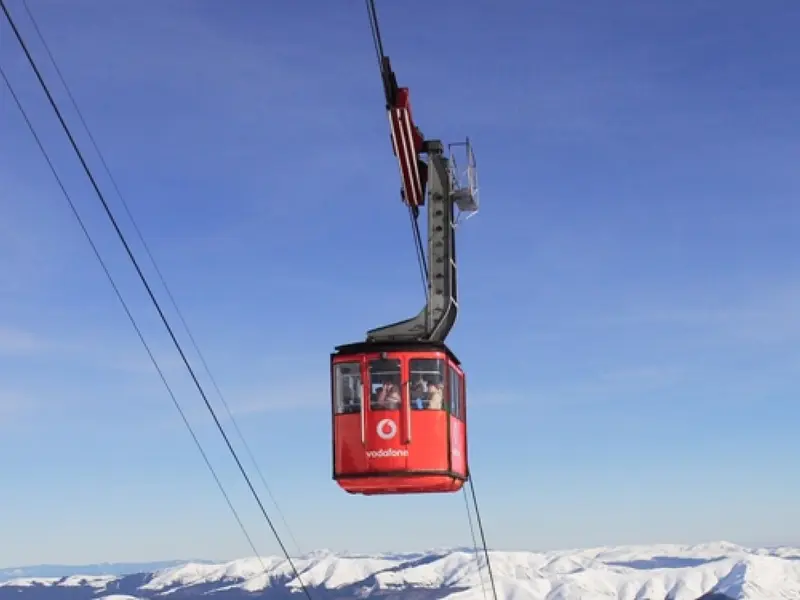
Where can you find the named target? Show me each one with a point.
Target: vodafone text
(386, 430)
(387, 453)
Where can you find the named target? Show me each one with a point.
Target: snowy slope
(93, 569)
(674, 572)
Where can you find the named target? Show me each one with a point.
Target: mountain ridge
(100, 568)
(711, 571)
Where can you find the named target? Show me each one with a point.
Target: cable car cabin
(410, 435)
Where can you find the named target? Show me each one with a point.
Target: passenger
(388, 397)
(376, 394)
(435, 401)
(419, 392)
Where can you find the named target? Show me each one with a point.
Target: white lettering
(387, 453)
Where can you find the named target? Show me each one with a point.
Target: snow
(30, 581)
(202, 573)
(95, 581)
(677, 572)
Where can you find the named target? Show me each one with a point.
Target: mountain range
(713, 571)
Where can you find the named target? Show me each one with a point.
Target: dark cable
(483, 536)
(378, 42)
(130, 316)
(474, 542)
(376, 32)
(376, 37)
(156, 304)
(160, 275)
(423, 267)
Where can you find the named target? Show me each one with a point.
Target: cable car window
(455, 395)
(384, 375)
(462, 398)
(347, 388)
(427, 383)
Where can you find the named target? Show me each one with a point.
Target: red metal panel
(458, 446)
(407, 144)
(386, 462)
(408, 484)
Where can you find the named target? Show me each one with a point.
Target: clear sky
(629, 292)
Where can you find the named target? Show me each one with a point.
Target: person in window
(388, 397)
(419, 393)
(435, 397)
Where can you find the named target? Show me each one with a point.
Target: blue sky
(629, 290)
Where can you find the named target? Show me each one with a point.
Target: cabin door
(386, 423)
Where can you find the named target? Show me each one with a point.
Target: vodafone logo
(386, 429)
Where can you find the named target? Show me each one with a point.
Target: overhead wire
(415, 231)
(378, 43)
(128, 313)
(161, 277)
(470, 482)
(376, 36)
(149, 290)
(376, 32)
(474, 543)
(423, 265)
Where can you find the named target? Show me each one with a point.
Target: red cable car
(399, 418)
(399, 398)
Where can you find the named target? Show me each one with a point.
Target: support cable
(160, 275)
(420, 250)
(376, 33)
(130, 315)
(483, 536)
(474, 543)
(378, 42)
(149, 290)
(376, 38)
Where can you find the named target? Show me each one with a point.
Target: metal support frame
(464, 182)
(437, 318)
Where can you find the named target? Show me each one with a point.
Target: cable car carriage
(399, 398)
(399, 422)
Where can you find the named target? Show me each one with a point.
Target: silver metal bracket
(448, 189)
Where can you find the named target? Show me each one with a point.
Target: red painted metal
(403, 450)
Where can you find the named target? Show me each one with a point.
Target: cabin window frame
(368, 384)
(340, 407)
(455, 393)
(462, 397)
(441, 373)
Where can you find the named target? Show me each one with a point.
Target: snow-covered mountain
(120, 568)
(716, 571)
